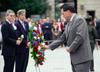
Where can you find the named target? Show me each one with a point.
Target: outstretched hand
(45, 47)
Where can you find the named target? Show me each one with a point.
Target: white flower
(38, 37)
(34, 37)
(35, 28)
(37, 55)
(42, 37)
(22, 36)
(39, 48)
(42, 43)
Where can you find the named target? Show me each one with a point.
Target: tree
(58, 12)
(31, 6)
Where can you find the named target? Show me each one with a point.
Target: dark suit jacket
(48, 29)
(20, 30)
(97, 27)
(9, 39)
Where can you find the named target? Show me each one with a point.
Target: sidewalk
(57, 61)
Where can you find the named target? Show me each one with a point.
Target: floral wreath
(37, 40)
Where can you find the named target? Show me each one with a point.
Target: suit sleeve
(58, 42)
(6, 38)
(81, 31)
(24, 42)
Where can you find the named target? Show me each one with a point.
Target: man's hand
(18, 42)
(45, 47)
(28, 45)
(68, 49)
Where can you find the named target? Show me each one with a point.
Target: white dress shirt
(12, 24)
(22, 23)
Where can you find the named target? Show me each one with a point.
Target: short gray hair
(9, 11)
(20, 12)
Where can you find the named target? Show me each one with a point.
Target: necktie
(12, 26)
(23, 25)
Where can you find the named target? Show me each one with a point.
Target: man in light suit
(10, 40)
(23, 48)
(77, 38)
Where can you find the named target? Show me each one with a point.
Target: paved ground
(57, 61)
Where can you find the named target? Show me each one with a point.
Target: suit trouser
(21, 61)
(82, 67)
(92, 61)
(47, 37)
(8, 63)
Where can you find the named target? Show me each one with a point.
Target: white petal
(39, 48)
(35, 37)
(35, 28)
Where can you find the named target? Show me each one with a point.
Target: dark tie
(12, 26)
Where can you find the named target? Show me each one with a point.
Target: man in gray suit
(76, 36)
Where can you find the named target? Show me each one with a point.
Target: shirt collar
(8, 21)
(72, 17)
(21, 21)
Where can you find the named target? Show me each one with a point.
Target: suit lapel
(11, 27)
(22, 26)
(71, 24)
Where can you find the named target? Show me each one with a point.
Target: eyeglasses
(12, 15)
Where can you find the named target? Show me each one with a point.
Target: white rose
(38, 37)
(35, 28)
(37, 55)
(22, 36)
(42, 37)
(34, 37)
(39, 48)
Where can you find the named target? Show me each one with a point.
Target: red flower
(40, 58)
(40, 53)
(33, 45)
(38, 36)
(41, 63)
(35, 31)
(35, 49)
(41, 27)
(41, 34)
(36, 46)
(35, 40)
(36, 24)
(37, 61)
(42, 40)
(37, 43)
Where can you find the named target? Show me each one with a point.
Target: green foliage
(36, 53)
(31, 6)
(58, 12)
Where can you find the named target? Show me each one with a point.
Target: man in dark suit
(77, 38)
(10, 40)
(47, 30)
(23, 48)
